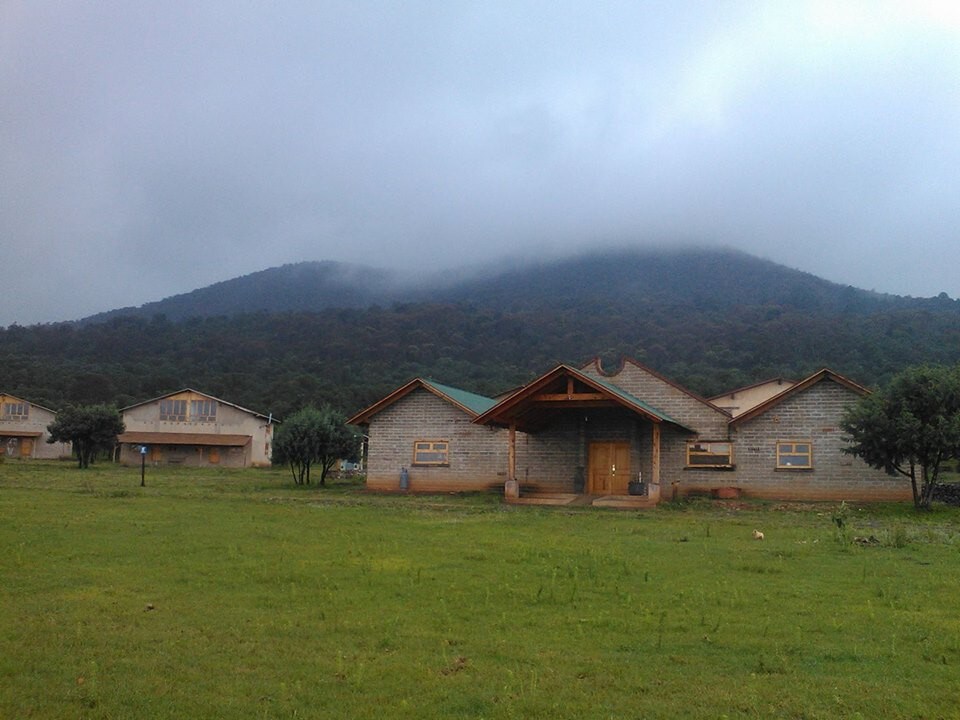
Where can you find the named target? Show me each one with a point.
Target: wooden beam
(512, 453)
(566, 397)
(655, 455)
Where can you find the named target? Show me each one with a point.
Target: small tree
(314, 437)
(910, 427)
(88, 428)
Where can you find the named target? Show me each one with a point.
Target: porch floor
(628, 502)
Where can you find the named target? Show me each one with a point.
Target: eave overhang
(564, 388)
(170, 438)
(819, 376)
(13, 432)
(470, 403)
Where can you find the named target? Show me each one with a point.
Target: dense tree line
(348, 358)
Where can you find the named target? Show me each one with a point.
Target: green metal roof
(636, 401)
(474, 403)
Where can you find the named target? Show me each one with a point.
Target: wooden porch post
(512, 489)
(655, 455)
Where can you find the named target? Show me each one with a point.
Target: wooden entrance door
(609, 468)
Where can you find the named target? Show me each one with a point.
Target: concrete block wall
(813, 415)
(550, 460)
(478, 455)
(709, 422)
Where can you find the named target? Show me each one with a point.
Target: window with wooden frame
(431, 452)
(16, 411)
(173, 410)
(794, 454)
(203, 410)
(707, 454)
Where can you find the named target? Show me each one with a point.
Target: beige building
(736, 402)
(192, 428)
(23, 430)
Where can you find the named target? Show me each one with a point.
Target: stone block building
(585, 432)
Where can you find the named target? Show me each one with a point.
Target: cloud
(151, 149)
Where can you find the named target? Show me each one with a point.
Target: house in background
(587, 436)
(737, 402)
(23, 430)
(192, 428)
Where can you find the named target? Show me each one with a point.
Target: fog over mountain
(149, 149)
(623, 279)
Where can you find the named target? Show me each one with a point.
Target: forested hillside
(303, 286)
(712, 321)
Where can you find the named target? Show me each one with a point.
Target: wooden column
(655, 455)
(511, 488)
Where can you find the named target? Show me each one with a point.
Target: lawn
(234, 594)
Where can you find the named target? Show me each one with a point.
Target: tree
(314, 437)
(910, 427)
(88, 428)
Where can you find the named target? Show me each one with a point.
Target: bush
(947, 493)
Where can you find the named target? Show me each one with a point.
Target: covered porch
(192, 449)
(19, 443)
(574, 439)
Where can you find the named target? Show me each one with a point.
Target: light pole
(143, 465)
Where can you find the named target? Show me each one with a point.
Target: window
(16, 411)
(794, 454)
(431, 452)
(203, 410)
(173, 410)
(709, 454)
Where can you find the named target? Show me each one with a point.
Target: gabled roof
(598, 364)
(470, 403)
(523, 407)
(31, 404)
(819, 376)
(771, 381)
(197, 392)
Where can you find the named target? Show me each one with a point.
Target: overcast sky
(150, 148)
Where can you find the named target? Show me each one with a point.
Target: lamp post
(143, 465)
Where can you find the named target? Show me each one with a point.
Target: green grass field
(218, 594)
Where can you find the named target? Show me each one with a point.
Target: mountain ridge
(691, 276)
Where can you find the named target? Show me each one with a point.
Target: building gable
(467, 402)
(688, 408)
(824, 375)
(565, 387)
(190, 396)
(736, 402)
